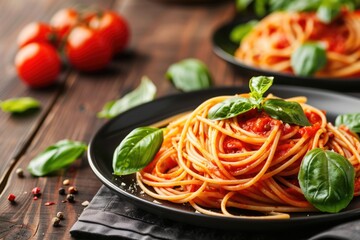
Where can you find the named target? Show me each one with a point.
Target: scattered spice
(62, 191)
(70, 198)
(11, 197)
(66, 182)
(60, 215)
(20, 172)
(36, 191)
(72, 190)
(85, 203)
(56, 221)
(49, 203)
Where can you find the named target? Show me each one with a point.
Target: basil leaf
(352, 121)
(327, 12)
(259, 85)
(19, 105)
(307, 59)
(242, 4)
(240, 31)
(230, 108)
(189, 74)
(56, 156)
(260, 7)
(327, 180)
(145, 92)
(137, 150)
(288, 112)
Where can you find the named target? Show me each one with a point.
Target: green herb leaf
(189, 74)
(55, 157)
(145, 92)
(259, 85)
(240, 31)
(327, 180)
(288, 112)
(137, 150)
(308, 59)
(260, 7)
(230, 108)
(327, 11)
(19, 105)
(242, 4)
(352, 121)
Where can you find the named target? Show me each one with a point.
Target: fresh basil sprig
(327, 180)
(56, 156)
(189, 74)
(137, 150)
(288, 112)
(307, 59)
(145, 92)
(240, 31)
(19, 105)
(351, 120)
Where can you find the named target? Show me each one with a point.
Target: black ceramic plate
(225, 49)
(105, 141)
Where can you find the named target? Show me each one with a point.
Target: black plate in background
(107, 138)
(225, 49)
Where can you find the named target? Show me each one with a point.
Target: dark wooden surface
(161, 35)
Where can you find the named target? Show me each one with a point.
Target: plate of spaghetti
(217, 169)
(296, 47)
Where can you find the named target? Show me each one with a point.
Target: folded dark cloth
(109, 216)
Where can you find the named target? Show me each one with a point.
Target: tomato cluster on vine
(87, 41)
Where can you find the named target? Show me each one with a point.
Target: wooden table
(162, 34)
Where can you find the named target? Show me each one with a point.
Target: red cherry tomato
(38, 64)
(36, 32)
(87, 50)
(114, 27)
(64, 20)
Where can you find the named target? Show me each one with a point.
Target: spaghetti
(249, 162)
(273, 40)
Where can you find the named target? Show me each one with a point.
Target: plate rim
(147, 205)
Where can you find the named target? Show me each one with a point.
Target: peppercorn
(70, 198)
(56, 221)
(60, 215)
(72, 190)
(62, 191)
(36, 191)
(66, 182)
(11, 197)
(20, 172)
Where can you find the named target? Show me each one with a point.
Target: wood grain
(162, 34)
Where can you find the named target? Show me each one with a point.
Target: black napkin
(109, 216)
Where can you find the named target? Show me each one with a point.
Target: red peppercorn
(11, 197)
(36, 191)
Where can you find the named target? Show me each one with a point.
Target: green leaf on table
(56, 156)
(240, 31)
(308, 59)
(351, 120)
(241, 5)
(288, 112)
(145, 92)
(189, 74)
(19, 105)
(327, 180)
(137, 150)
(231, 108)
